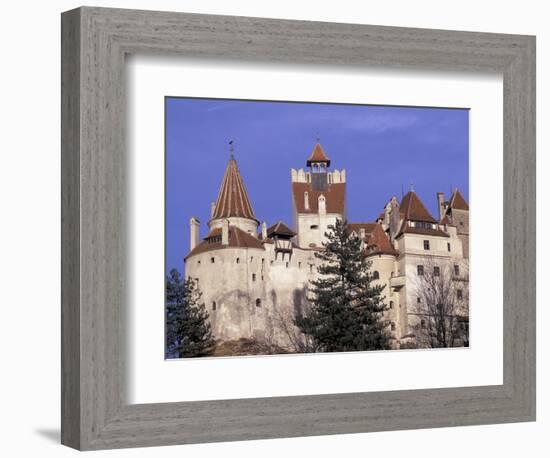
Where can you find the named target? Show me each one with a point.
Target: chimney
(306, 200)
(194, 224)
(212, 208)
(264, 230)
(225, 232)
(441, 204)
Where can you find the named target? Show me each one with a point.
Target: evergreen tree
(188, 330)
(346, 311)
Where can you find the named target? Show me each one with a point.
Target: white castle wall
(234, 286)
(412, 254)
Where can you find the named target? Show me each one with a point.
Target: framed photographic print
(329, 226)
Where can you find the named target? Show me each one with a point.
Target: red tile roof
(318, 155)
(445, 220)
(376, 240)
(406, 229)
(356, 227)
(414, 209)
(335, 195)
(458, 202)
(280, 228)
(232, 198)
(379, 243)
(237, 239)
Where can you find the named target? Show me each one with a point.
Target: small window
(420, 270)
(426, 244)
(448, 247)
(300, 265)
(263, 261)
(199, 262)
(391, 305)
(212, 260)
(287, 264)
(253, 277)
(457, 270)
(214, 305)
(422, 324)
(314, 226)
(311, 267)
(419, 300)
(375, 275)
(392, 326)
(251, 258)
(436, 271)
(258, 302)
(270, 263)
(237, 260)
(459, 294)
(439, 308)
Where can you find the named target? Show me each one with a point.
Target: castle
(254, 278)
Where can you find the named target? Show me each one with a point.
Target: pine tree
(188, 330)
(346, 311)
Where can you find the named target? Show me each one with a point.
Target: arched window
(375, 275)
(213, 305)
(393, 326)
(258, 302)
(391, 305)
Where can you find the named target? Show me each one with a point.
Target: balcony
(397, 282)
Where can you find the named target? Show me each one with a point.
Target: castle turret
(233, 203)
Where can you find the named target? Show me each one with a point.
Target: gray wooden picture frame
(95, 411)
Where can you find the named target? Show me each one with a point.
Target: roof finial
(317, 137)
(231, 150)
(411, 188)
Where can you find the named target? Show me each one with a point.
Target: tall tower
(319, 198)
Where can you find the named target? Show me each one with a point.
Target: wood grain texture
(96, 413)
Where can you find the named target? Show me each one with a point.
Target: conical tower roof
(233, 199)
(318, 155)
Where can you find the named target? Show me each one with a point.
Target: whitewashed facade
(254, 278)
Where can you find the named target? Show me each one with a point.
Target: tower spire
(233, 200)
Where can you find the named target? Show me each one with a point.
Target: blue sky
(382, 149)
